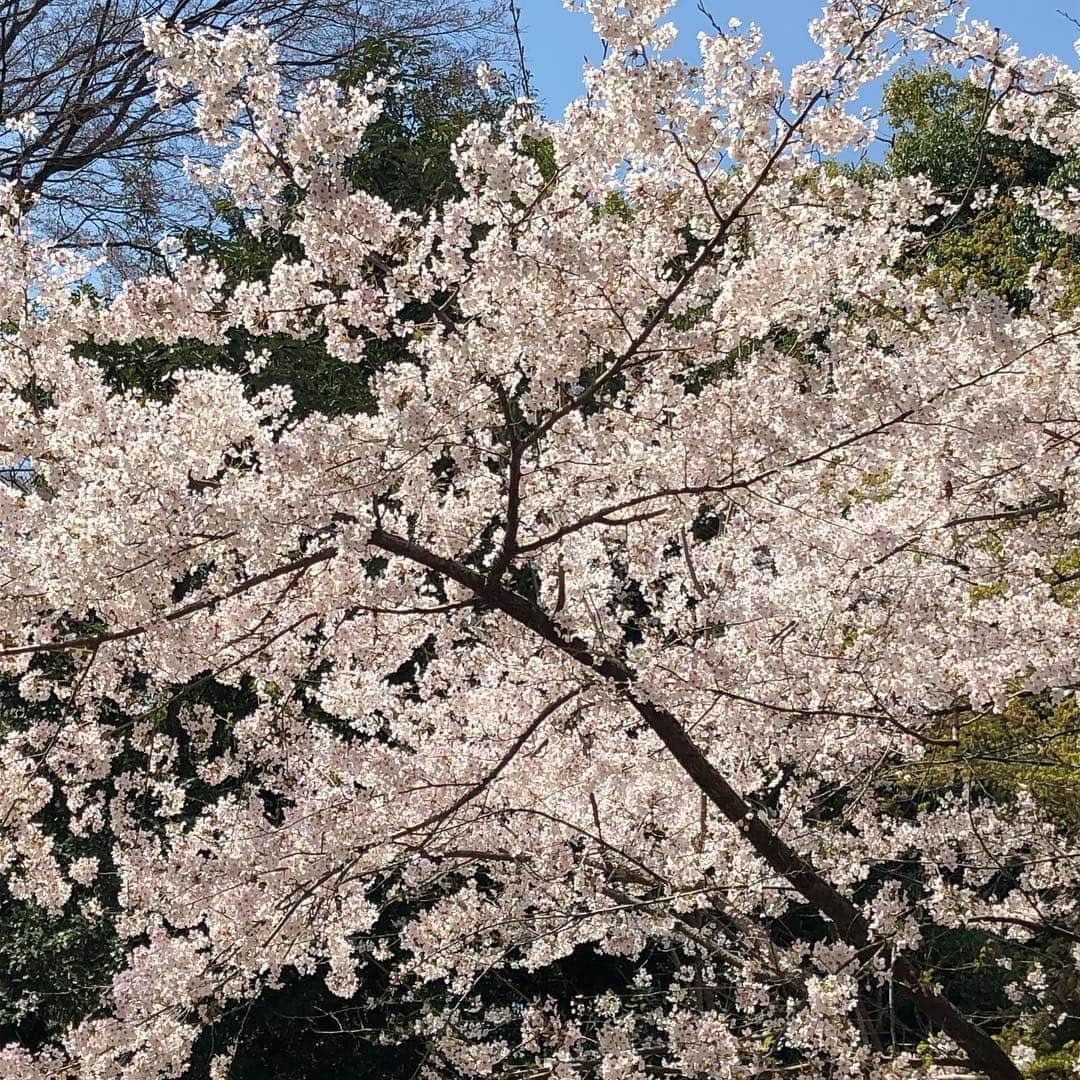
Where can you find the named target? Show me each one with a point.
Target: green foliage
(54, 967)
(406, 155)
(1032, 747)
(319, 382)
(939, 131)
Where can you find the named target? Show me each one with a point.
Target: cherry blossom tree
(686, 531)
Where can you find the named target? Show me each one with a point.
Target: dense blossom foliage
(685, 530)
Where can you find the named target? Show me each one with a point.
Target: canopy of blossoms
(703, 516)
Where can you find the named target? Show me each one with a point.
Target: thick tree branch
(784, 860)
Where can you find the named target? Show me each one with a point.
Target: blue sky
(557, 40)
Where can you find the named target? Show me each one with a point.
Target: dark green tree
(939, 131)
